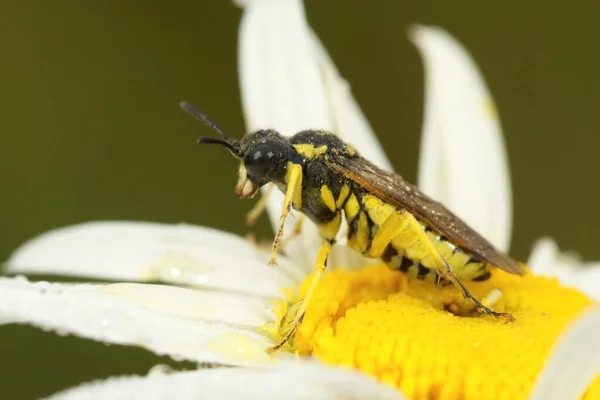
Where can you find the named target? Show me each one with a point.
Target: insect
(387, 217)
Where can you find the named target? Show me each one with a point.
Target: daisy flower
(368, 333)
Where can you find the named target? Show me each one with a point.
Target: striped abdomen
(403, 250)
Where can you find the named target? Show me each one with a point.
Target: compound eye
(258, 162)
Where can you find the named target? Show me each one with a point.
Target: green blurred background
(91, 129)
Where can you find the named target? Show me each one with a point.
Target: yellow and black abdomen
(379, 230)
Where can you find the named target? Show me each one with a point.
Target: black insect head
(265, 153)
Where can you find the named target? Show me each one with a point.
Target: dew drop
(241, 349)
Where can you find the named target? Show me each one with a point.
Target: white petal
(286, 380)
(463, 162)
(209, 306)
(154, 317)
(280, 79)
(574, 362)
(142, 251)
(547, 260)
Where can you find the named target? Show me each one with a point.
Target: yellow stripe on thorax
(327, 197)
(309, 151)
(344, 192)
(351, 208)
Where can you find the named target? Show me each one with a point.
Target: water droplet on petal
(241, 349)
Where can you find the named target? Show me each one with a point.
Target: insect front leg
(293, 195)
(297, 230)
(444, 268)
(320, 266)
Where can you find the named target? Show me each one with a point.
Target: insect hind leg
(445, 271)
(467, 295)
(441, 280)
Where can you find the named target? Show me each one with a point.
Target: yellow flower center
(428, 341)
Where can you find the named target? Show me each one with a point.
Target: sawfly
(388, 218)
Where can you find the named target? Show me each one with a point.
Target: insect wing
(393, 189)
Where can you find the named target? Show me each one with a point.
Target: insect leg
(391, 227)
(297, 230)
(445, 270)
(320, 266)
(259, 206)
(293, 194)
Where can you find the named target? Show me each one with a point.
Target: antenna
(231, 144)
(194, 112)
